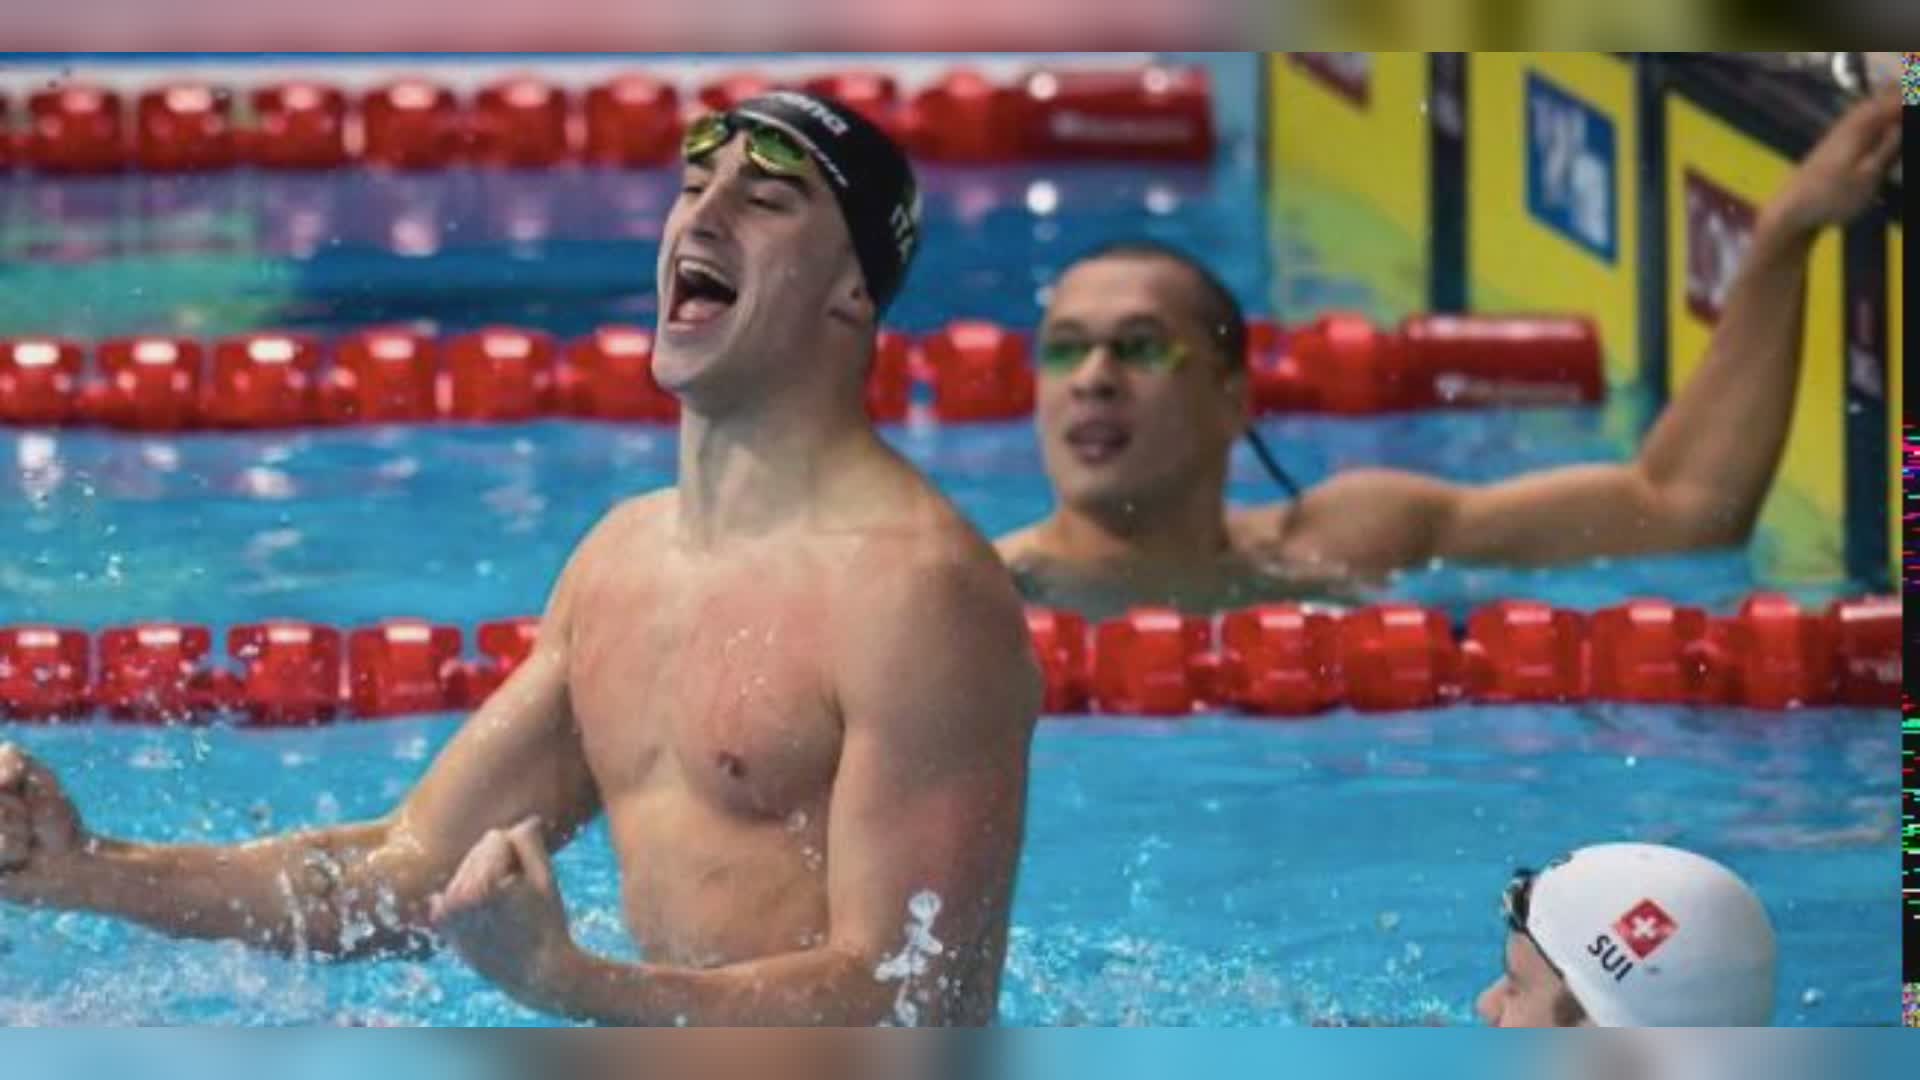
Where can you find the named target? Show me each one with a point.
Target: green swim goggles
(1150, 354)
(767, 147)
(1136, 352)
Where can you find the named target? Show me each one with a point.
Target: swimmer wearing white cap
(1633, 935)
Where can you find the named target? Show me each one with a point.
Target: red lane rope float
(73, 129)
(1275, 661)
(1341, 363)
(297, 125)
(631, 120)
(186, 127)
(973, 370)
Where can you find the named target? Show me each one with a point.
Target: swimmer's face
(1120, 435)
(1528, 993)
(753, 266)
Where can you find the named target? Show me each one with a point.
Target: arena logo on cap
(827, 117)
(905, 221)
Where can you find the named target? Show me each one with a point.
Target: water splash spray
(913, 959)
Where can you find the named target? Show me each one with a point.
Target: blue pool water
(1217, 871)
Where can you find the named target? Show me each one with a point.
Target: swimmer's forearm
(300, 893)
(821, 987)
(1716, 448)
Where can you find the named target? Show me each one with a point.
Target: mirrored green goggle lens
(769, 148)
(1147, 354)
(705, 135)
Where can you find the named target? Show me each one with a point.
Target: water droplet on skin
(797, 821)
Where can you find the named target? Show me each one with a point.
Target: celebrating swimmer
(1143, 392)
(1633, 935)
(798, 683)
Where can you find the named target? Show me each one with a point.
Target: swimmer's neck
(748, 471)
(1187, 530)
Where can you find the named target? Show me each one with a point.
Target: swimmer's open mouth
(1095, 441)
(702, 292)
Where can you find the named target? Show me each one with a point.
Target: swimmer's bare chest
(703, 700)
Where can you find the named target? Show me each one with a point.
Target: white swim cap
(1652, 936)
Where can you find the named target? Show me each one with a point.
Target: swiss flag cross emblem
(1645, 928)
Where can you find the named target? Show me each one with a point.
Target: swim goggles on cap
(767, 147)
(1516, 903)
(1516, 900)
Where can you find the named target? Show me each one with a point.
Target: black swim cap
(868, 173)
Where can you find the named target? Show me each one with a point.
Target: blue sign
(1572, 186)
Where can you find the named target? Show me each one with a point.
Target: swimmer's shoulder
(1019, 546)
(629, 522)
(1261, 529)
(629, 518)
(957, 547)
(1035, 574)
(898, 506)
(945, 595)
(939, 554)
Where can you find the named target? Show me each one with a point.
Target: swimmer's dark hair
(1217, 307)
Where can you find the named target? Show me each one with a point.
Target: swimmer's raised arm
(1702, 473)
(347, 892)
(938, 692)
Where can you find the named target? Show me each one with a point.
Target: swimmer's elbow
(1705, 520)
(359, 896)
(1728, 531)
(347, 938)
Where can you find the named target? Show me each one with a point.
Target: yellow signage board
(1717, 179)
(1349, 181)
(1553, 193)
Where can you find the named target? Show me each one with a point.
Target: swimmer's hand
(1842, 173)
(40, 831)
(502, 912)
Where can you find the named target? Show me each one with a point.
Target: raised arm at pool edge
(1702, 474)
(353, 891)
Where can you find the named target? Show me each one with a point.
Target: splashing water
(911, 961)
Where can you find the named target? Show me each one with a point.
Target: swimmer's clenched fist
(798, 685)
(39, 828)
(502, 911)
